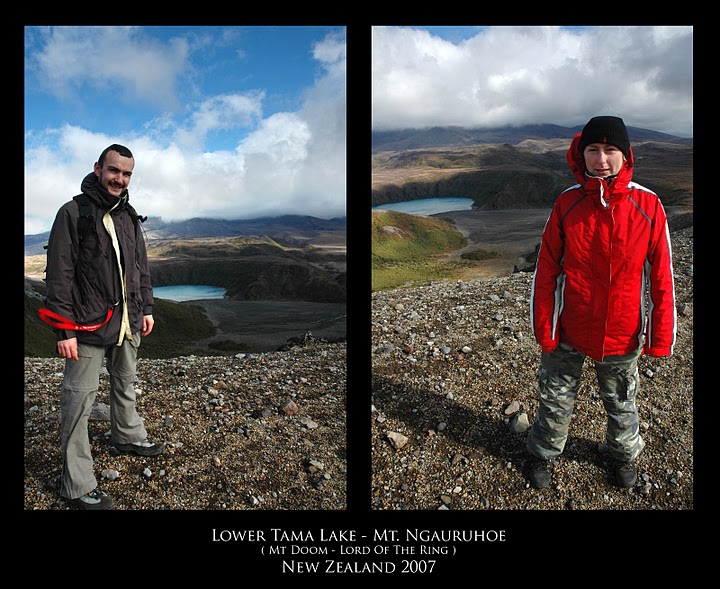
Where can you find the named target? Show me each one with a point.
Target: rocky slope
(256, 431)
(453, 377)
(453, 385)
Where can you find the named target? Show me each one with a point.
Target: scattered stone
(308, 423)
(385, 350)
(512, 408)
(263, 413)
(100, 412)
(492, 370)
(289, 407)
(397, 439)
(315, 466)
(219, 452)
(110, 474)
(519, 423)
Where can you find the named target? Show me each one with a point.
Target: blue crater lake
(188, 292)
(428, 206)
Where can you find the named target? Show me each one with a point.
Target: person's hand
(67, 348)
(148, 323)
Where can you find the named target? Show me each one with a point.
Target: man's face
(603, 159)
(115, 174)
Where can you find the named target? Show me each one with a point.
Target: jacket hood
(106, 201)
(577, 165)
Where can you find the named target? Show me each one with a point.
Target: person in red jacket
(603, 288)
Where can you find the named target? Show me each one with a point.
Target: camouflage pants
(559, 377)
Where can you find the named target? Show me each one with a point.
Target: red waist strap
(60, 322)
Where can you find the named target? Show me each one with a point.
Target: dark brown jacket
(83, 280)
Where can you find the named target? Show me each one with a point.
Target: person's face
(603, 159)
(115, 174)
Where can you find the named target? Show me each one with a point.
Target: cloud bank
(290, 162)
(525, 75)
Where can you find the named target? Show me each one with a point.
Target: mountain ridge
(447, 136)
(157, 228)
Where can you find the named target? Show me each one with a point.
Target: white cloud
(221, 113)
(114, 58)
(284, 163)
(520, 75)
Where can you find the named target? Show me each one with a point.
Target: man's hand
(148, 323)
(67, 348)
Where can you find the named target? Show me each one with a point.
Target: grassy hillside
(407, 249)
(244, 246)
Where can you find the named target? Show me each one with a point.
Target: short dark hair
(121, 149)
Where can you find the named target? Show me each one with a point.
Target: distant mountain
(156, 228)
(458, 136)
(34, 244)
(513, 167)
(199, 227)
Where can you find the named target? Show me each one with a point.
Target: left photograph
(185, 268)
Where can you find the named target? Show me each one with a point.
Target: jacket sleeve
(546, 293)
(146, 290)
(662, 314)
(62, 256)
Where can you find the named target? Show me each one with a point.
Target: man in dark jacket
(99, 292)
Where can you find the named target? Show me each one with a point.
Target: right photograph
(532, 268)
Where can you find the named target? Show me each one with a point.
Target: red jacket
(603, 283)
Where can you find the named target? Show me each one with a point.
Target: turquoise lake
(428, 206)
(188, 292)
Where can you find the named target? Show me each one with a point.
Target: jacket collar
(100, 196)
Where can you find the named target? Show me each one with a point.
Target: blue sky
(513, 75)
(229, 122)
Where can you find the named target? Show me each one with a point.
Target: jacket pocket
(621, 382)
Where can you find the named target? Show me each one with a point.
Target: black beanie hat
(606, 129)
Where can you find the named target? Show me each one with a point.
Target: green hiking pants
(79, 389)
(559, 377)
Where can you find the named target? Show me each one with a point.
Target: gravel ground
(232, 443)
(453, 386)
(453, 373)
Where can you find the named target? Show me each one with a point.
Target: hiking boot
(625, 474)
(144, 448)
(539, 472)
(95, 499)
